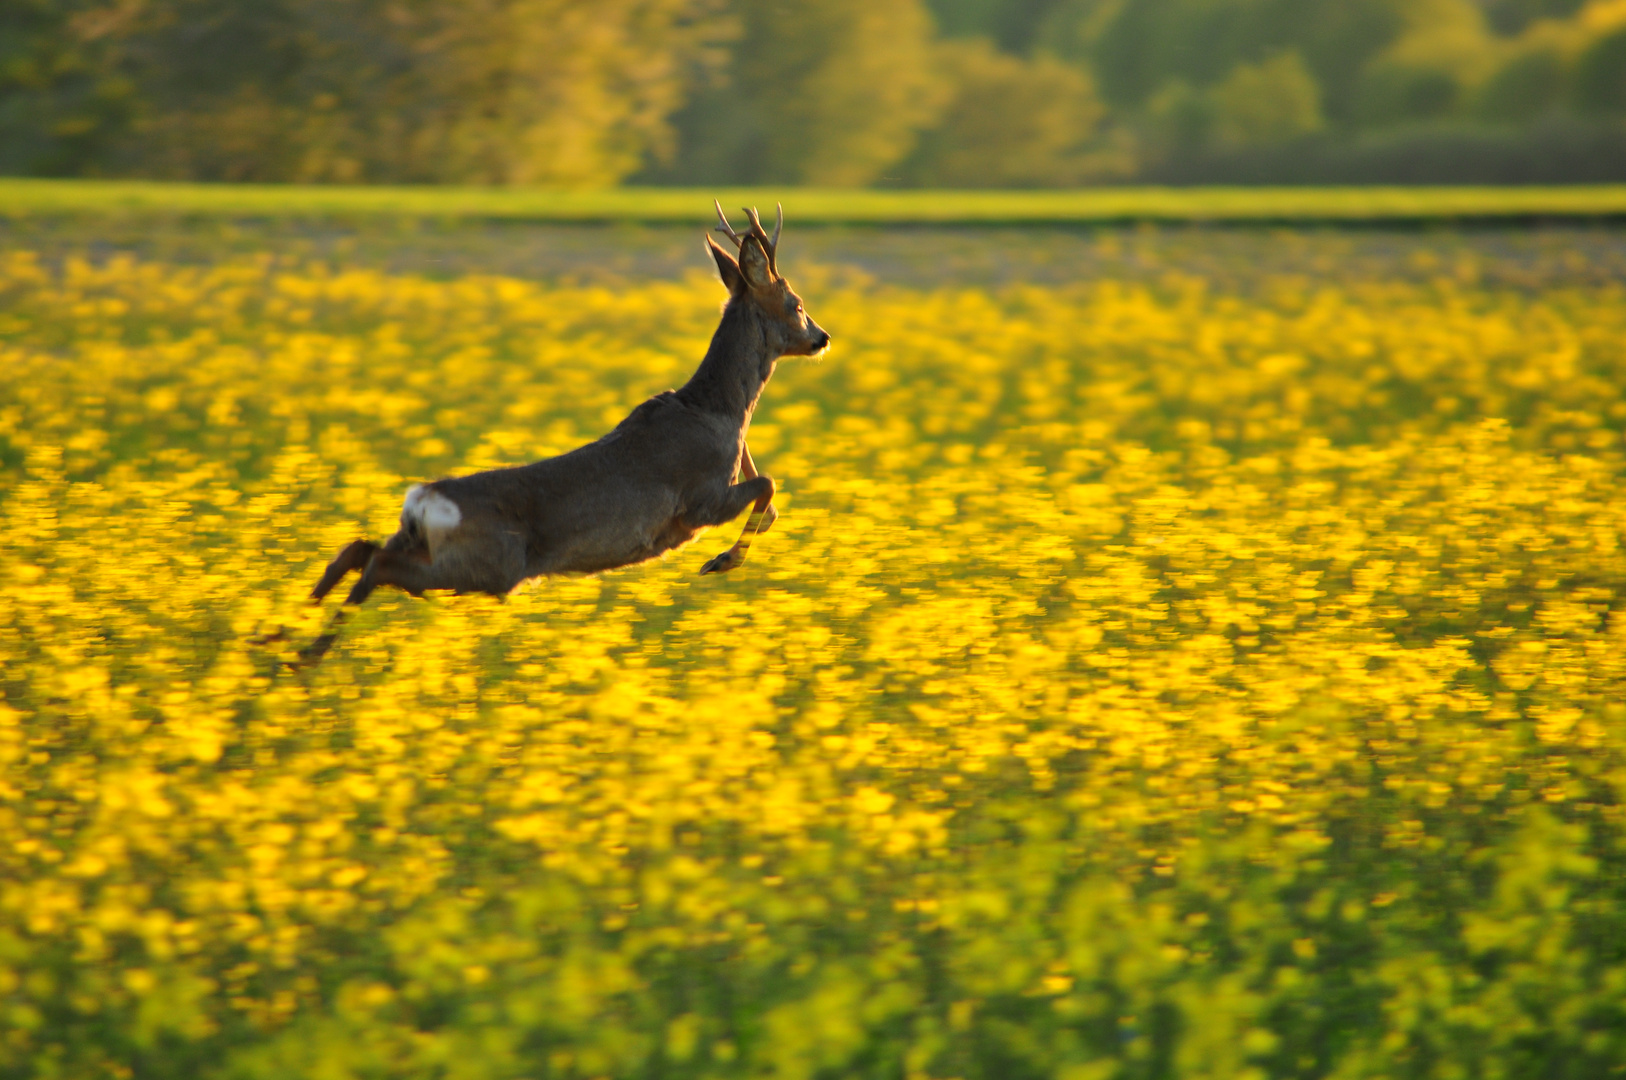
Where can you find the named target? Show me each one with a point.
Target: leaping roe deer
(666, 472)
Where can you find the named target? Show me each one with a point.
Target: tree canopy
(824, 92)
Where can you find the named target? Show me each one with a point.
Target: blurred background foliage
(999, 93)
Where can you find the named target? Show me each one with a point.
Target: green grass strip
(1352, 205)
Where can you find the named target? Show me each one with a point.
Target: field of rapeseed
(1143, 680)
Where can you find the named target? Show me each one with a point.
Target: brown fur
(666, 472)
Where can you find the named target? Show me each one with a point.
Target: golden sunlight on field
(1141, 681)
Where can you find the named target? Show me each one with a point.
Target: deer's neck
(736, 367)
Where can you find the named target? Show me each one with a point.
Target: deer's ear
(754, 264)
(727, 268)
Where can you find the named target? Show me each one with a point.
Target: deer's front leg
(757, 491)
(748, 469)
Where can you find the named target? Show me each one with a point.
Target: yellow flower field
(1142, 681)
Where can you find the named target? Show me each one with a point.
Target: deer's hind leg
(475, 561)
(757, 491)
(353, 556)
(400, 563)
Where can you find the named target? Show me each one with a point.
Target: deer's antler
(770, 244)
(724, 227)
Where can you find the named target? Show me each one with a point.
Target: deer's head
(753, 281)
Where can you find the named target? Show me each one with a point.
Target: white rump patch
(432, 513)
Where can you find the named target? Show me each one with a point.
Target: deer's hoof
(723, 563)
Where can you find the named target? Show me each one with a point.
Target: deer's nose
(822, 341)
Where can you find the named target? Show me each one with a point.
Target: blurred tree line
(827, 92)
